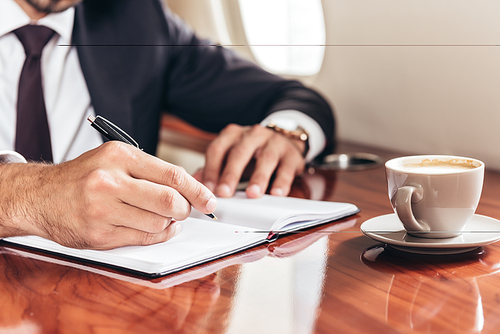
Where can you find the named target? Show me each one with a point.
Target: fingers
(143, 166)
(286, 173)
(267, 161)
(111, 196)
(237, 146)
(124, 215)
(160, 172)
(109, 224)
(238, 158)
(280, 157)
(120, 196)
(152, 197)
(216, 154)
(129, 236)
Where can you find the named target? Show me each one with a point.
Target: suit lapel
(122, 67)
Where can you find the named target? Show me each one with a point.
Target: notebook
(280, 249)
(242, 223)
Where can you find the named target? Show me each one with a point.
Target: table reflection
(282, 292)
(422, 296)
(44, 294)
(43, 297)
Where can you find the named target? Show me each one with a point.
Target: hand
(114, 195)
(236, 146)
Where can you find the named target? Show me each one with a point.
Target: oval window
(285, 36)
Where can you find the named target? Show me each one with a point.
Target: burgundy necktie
(32, 128)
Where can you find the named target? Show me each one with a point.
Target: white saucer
(480, 231)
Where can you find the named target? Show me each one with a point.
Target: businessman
(128, 61)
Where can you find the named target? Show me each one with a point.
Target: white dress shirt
(67, 99)
(66, 95)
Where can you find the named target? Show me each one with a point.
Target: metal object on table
(348, 161)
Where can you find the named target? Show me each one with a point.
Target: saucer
(479, 231)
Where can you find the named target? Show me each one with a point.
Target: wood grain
(331, 279)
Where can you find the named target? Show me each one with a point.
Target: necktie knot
(34, 38)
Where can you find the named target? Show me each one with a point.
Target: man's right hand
(112, 196)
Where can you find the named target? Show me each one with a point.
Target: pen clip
(111, 130)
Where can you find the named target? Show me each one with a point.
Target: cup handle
(402, 200)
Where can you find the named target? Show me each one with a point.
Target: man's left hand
(230, 153)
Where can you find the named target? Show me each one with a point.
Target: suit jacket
(138, 60)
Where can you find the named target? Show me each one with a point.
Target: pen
(113, 132)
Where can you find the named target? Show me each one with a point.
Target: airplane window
(285, 36)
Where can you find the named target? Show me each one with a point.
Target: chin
(52, 6)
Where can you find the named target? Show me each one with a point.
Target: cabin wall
(415, 76)
(420, 76)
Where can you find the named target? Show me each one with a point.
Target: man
(128, 61)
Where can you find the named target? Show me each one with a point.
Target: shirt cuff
(11, 157)
(316, 137)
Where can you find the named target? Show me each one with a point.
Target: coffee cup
(434, 196)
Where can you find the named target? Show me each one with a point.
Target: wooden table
(319, 281)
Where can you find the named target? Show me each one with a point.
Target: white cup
(434, 196)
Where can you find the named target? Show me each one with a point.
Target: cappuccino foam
(436, 166)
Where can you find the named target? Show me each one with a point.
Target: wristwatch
(290, 129)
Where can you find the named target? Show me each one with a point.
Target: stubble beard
(52, 6)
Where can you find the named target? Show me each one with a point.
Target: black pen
(113, 132)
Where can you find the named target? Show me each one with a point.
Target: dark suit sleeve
(210, 86)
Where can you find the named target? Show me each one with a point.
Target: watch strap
(298, 133)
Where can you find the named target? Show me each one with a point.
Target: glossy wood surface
(331, 279)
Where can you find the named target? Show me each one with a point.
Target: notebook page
(248, 213)
(277, 213)
(198, 240)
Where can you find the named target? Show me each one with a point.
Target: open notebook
(243, 223)
(284, 248)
